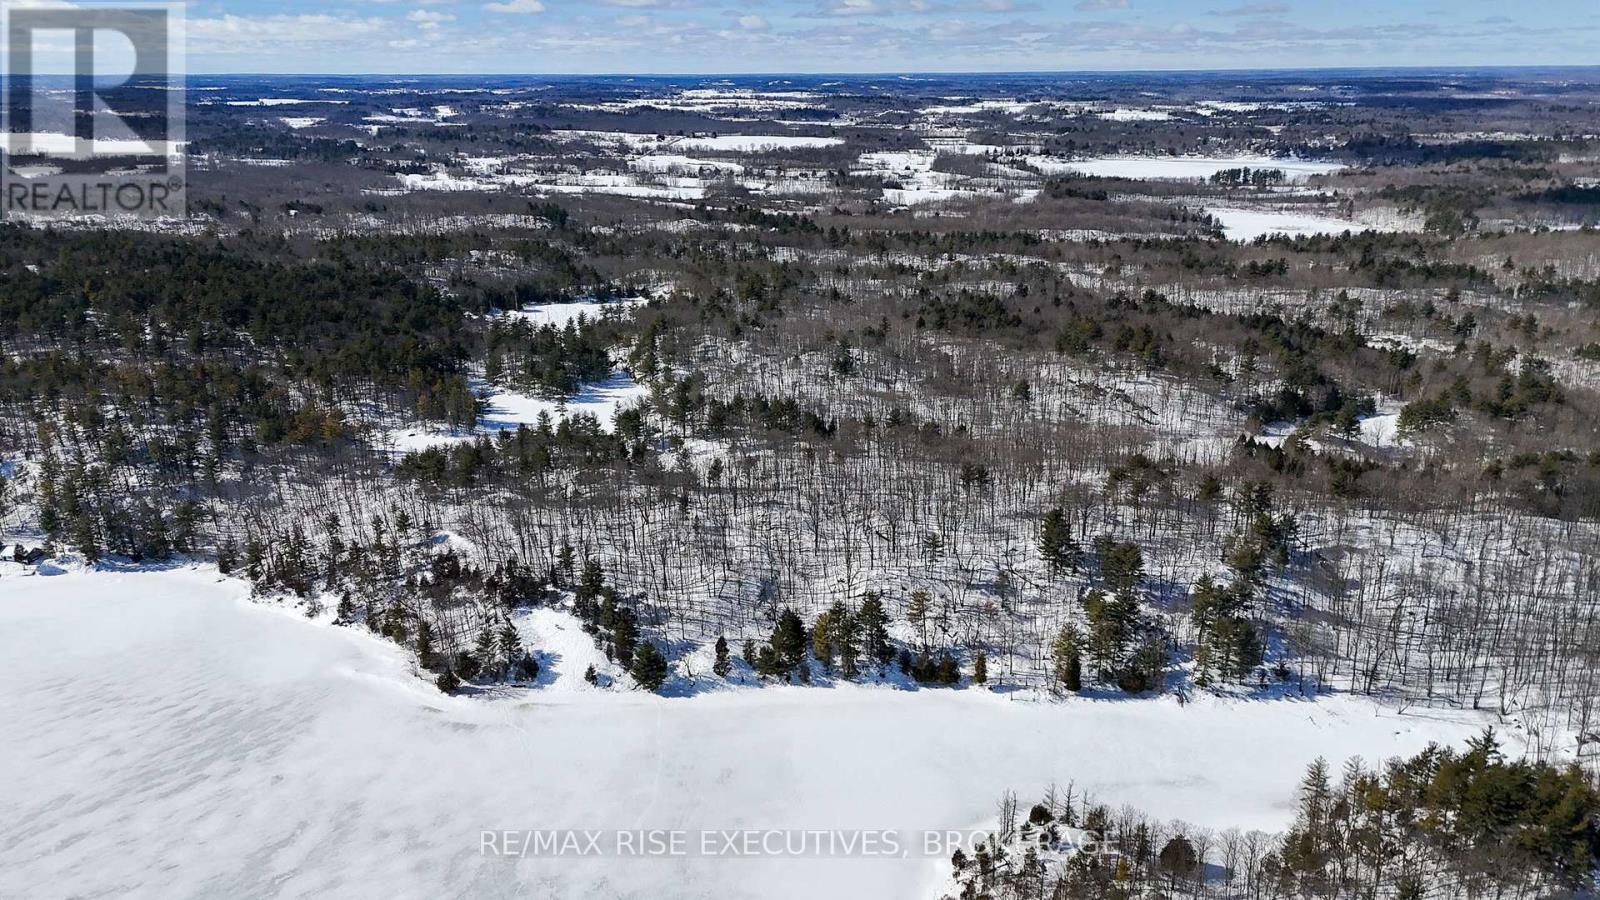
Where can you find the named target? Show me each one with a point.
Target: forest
(900, 393)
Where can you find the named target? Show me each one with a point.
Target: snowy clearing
(563, 314)
(1245, 225)
(506, 409)
(186, 742)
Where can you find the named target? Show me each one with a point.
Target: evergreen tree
(84, 537)
(917, 614)
(822, 640)
(833, 638)
(1067, 659)
(723, 665)
(425, 655)
(483, 652)
(1113, 622)
(227, 556)
(649, 667)
(872, 625)
(1056, 545)
(1121, 563)
(1178, 860)
(789, 640)
(508, 643)
(561, 575)
(980, 668)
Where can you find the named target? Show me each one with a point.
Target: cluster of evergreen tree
(327, 318)
(1246, 176)
(1227, 644)
(843, 639)
(782, 414)
(1441, 825)
(1493, 390)
(81, 504)
(576, 441)
(547, 360)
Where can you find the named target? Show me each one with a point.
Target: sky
(844, 36)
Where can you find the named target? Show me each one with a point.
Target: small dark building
(26, 555)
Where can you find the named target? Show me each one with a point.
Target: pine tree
(822, 640)
(873, 622)
(723, 665)
(1121, 563)
(84, 537)
(591, 582)
(917, 614)
(484, 653)
(227, 556)
(624, 630)
(649, 667)
(425, 657)
(1178, 860)
(508, 642)
(561, 575)
(833, 638)
(789, 640)
(254, 558)
(1067, 659)
(1056, 545)
(980, 668)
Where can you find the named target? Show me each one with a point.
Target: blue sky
(737, 36)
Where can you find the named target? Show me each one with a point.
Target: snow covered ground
(168, 738)
(750, 143)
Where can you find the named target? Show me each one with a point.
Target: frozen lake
(168, 738)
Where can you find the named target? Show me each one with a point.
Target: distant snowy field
(167, 737)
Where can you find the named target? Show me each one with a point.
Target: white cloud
(852, 8)
(427, 18)
(515, 6)
(253, 34)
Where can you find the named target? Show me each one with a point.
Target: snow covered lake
(1180, 168)
(169, 738)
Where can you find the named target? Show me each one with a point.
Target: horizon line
(912, 73)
